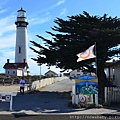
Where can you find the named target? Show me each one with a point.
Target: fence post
(76, 99)
(11, 103)
(73, 94)
(105, 94)
(96, 99)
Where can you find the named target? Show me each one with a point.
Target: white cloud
(46, 10)
(7, 38)
(2, 11)
(60, 2)
(7, 33)
(57, 4)
(7, 25)
(3, 2)
(39, 20)
(63, 12)
(47, 16)
(8, 53)
(7, 46)
(7, 41)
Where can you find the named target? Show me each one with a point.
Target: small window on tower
(19, 49)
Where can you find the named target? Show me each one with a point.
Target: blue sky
(41, 15)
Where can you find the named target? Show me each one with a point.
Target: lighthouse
(20, 66)
(21, 53)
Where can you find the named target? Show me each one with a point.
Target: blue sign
(86, 84)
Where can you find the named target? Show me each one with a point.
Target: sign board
(89, 90)
(8, 97)
(86, 84)
(82, 99)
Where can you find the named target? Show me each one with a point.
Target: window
(19, 49)
(8, 72)
(78, 70)
(13, 72)
(23, 24)
(18, 24)
(21, 14)
(78, 74)
(113, 77)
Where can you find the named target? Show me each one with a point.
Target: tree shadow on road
(42, 102)
(45, 102)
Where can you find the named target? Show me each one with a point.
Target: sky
(41, 15)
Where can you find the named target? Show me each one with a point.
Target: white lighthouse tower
(20, 66)
(21, 53)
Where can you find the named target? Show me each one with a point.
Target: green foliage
(8, 79)
(75, 35)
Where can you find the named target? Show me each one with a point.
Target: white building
(16, 69)
(76, 73)
(51, 73)
(20, 67)
(112, 70)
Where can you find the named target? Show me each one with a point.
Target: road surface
(52, 99)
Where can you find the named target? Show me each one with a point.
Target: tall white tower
(21, 53)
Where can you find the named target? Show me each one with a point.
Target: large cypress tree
(72, 36)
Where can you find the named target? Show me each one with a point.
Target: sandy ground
(10, 88)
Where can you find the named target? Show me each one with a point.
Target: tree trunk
(102, 81)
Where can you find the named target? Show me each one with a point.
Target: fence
(44, 82)
(112, 94)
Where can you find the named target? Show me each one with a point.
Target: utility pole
(40, 70)
(40, 63)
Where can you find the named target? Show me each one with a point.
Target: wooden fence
(112, 94)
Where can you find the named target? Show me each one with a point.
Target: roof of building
(15, 65)
(50, 71)
(76, 70)
(109, 64)
(21, 10)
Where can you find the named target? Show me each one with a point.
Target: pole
(40, 63)
(73, 94)
(96, 100)
(40, 70)
(105, 94)
(96, 95)
(11, 103)
(96, 58)
(76, 96)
